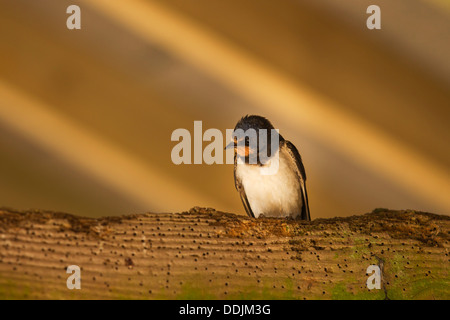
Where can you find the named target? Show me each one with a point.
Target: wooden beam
(206, 254)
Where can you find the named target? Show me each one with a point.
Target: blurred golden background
(86, 115)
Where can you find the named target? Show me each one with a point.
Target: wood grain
(206, 254)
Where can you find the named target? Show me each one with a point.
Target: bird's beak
(230, 145)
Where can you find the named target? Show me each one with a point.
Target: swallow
(282, 194)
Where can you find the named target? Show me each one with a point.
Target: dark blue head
(252, 137)
(253, 122)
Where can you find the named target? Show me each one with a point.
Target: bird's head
(252, 135)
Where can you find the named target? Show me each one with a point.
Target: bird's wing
(295, 155)
(240, 189)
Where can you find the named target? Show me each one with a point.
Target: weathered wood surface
(205, 254)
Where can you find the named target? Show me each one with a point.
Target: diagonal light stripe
(270, 89)
(79, 147)
(442, 4)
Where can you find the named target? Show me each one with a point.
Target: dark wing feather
(302, 176)
(240, 189)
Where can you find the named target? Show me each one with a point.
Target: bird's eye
(247, 141)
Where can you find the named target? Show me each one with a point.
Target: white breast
(276, 195)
